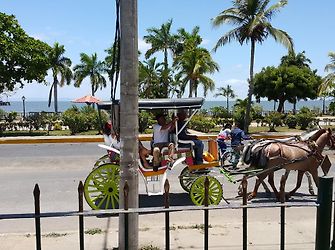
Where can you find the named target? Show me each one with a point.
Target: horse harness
(256, 155)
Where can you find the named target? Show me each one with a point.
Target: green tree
(293, 59)
(252, 18)
(22, 58)
(227, 92)
(92, 68)
(60, 66)
(161, 39)
(328, 82)
(286, 83)
(150, 79)
(194, 63)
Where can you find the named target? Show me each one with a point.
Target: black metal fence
(323, 218)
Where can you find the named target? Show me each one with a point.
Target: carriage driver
(184, 135)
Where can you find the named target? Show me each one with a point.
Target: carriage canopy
(163, 103)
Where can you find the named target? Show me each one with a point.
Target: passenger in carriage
(110, 136)
(161, 137)
(185, 135)
(144, 153)
(161, 131)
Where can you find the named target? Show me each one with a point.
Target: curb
(99, 139)
(49, 140)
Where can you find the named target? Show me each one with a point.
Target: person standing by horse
(237, 135)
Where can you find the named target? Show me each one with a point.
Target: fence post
(282, 212)
(167, 214)
(245, 212)
(81, 217)
(323, 217)
(126, 215)
(206, 212)
(37, 216)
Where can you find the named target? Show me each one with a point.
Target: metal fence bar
(206, 213)
(126, 216)
(146, 210)
(245, 212)
(282, 212)
(37, 218)
(333, 241)
(323, 217)
(167, 214)
(81, 217)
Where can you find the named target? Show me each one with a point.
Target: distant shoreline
(39, 106)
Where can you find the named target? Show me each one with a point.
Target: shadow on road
(176, 199)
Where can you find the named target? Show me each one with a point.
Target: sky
(88, 27)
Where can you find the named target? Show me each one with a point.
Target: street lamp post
(24, 106)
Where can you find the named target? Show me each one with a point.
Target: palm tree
(328, 83)
(92, 68)
(292, 59)
(227, 92)
(194, 65)
(161, 40)
(252, 18)
(112, 63)
(149, 79)
(194, 62)
(60, 66)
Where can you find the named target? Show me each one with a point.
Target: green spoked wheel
(186, 179)
(101, 188)
(197, 191)
(102, 160)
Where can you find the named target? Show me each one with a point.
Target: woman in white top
(224, 135)
(161, 137)
(161, 131)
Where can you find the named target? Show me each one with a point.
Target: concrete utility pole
(129, 120)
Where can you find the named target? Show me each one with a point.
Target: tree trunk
(295, 106)
(228, 104)
(129, 120)
(190, 93)
(56, 94)
(324, 105)
(166, 67)
(280, 108)
(251, 87)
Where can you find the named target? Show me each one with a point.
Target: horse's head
(325, 139)
(331, 139)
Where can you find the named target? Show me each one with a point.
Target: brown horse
(302, 156)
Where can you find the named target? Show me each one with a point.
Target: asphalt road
(58, 168)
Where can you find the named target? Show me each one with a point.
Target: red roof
(87, 99)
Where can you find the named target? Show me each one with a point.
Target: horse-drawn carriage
(101, 187)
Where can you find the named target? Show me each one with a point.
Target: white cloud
(240, 87)
(143, 46)
(205, 42)
(42, 37)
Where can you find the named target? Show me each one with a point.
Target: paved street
(58, 168)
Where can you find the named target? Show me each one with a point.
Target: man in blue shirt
(237, 135)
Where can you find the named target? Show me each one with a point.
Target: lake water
(38, 106)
